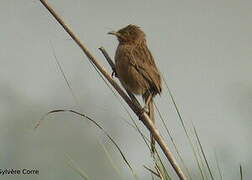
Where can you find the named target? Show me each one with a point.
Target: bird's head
(129, 34)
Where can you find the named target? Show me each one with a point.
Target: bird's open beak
(114, 33)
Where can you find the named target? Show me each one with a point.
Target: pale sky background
(203, 48)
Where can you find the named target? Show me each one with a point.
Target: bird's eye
(125, 33)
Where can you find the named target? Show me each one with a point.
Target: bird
(136, 69)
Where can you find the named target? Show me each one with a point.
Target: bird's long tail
(151, 115)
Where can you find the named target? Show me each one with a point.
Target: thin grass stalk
(173, 142)
(201, 161)
(184, 128)
(203, 153)
(218, 165)
(76, 168)
(241, 172)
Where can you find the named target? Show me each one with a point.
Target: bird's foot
(114, 74)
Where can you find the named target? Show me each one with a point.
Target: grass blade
(151, 171)
(218, 165)
(97, 125)
(203, 153)
(76, 168)
(184, 128)
(241, 173)
(173, 142)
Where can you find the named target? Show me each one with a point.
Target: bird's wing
(145, 65)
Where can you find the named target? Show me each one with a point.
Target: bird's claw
(114, 74)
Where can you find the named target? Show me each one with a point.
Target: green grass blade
(203, 153)
(173, 142)
(65, 77)
(241, 172)
(184, 128)
(160, 165)
(218, 165)
(151, 171)
(202, 162)
(76, 168)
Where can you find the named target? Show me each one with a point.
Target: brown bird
(136, 68)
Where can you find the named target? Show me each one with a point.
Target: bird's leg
(145, 108)
(147, 102)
